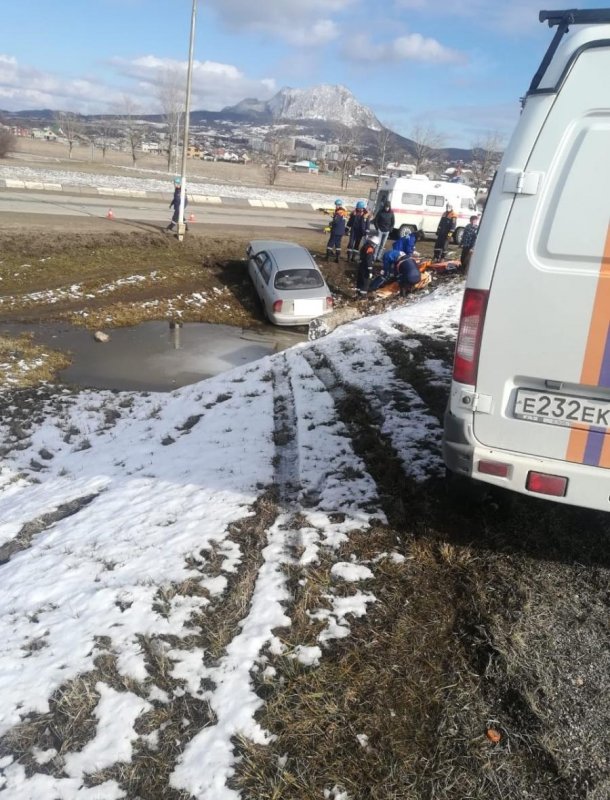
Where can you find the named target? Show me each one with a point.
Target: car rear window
(294, 279)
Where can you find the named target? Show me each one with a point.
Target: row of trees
(125, 121)
(427, 153)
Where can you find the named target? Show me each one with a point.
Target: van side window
(468, 202)
(435, 200)
(411, 199)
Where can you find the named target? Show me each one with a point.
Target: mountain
(334, 104)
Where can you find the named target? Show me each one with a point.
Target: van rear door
(543, 382)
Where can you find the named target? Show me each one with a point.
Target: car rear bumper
(290, 319)
(587, 486)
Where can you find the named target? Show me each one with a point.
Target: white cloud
(23, 87)
(302, 22)
(215, 85)
(411, 47)
(517, 16)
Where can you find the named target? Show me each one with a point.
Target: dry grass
(24, 364)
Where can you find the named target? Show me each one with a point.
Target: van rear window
(435, 200)
(411, 199)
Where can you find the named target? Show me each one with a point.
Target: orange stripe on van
(577, 445)
(604, 460)
(594, 358)
(598, 332)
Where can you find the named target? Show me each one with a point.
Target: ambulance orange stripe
(577, 445)
(594, 355)
(604, 460)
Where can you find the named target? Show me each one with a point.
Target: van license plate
(561, 409)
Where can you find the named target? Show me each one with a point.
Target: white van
(419, 203)
(530, 398)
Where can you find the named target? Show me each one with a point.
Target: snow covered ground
(161, 184)
(144, 542)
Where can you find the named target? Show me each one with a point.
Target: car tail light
(329, 302)
(277, 306)
(541, 483)
(468, 346)
(494, 468)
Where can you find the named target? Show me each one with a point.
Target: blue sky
(460, 66)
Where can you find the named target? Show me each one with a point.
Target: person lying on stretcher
(398, 266)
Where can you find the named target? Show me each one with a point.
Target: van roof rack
(575, 16)
(562, 20)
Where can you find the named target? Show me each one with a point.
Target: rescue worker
(445, 227)
(389, 263)
(175, 204)
(406, 243)
(337, 231)
(367, 263)
(408, 274)
(357, 226)
(469, 239)
(385, 224)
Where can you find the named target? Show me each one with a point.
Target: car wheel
(457, 236)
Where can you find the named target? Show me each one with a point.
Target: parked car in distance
(290, 286)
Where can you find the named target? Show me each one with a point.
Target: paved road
(139, 210)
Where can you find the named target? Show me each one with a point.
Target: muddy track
(286, 459)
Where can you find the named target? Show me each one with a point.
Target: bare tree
(8, 141)
(171, 99)
(427, 141)
(131, 127)
(486, 156)
(278, 147)
(348, 155)
(71, 127)
(383, 149)
(105, 127)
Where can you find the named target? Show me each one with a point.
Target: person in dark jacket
(175, 204)
(366, 265)
(469, 239)
(445, 227)
(408, 274)
(338, 225)
(358, 226)
(385, 224)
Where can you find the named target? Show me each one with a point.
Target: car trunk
(548, 314)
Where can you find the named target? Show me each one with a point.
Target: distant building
(400, 170)
(306, 166)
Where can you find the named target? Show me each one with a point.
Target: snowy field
(161, 185)
(130, 524)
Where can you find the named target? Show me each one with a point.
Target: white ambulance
(418, 204)
(530, 398)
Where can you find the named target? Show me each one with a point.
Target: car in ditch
(288, 282)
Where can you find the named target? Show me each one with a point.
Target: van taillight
(329, 302)
(466, 360)
(277, 306)
(540, 482)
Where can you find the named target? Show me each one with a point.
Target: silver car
(288, 282)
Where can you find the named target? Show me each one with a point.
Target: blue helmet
(361, 204)
(338, 202)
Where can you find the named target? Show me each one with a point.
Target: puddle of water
(153, 357)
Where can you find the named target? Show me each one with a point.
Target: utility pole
(187, 113)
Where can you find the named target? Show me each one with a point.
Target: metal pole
(187, 112)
